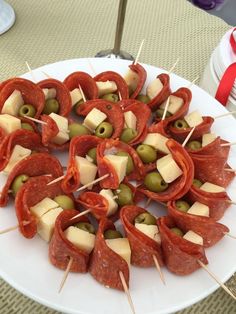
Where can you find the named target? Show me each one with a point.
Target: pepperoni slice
(31, 93)
(210, 230)
(181, 256)
(62, 94)
(105, 264)
(164, 93)
(142, 75)
(61, 250)
(142, 247)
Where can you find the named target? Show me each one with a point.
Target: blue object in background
(208, 4)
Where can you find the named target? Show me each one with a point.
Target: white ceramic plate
(25, 265)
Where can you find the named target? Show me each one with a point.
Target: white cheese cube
(80, 238)
(132, 80)
(130, 120)
(62, 124)
(208, 138)
(157, 141)
(9, 123)
(43, 207)
(13, 103)
(193, 237)
(212, 188)
(106, 87)
(121, 247)
(19, 152)
(61, 138)
(46, 223)
(199, 209)
(175, 103)
(119, 163)
(87, 170)
(168, 168)
(76, 96)
(193, 119)
(154, 88)
(49, 93)
(94, 118)
(149, 230)
(113, 206)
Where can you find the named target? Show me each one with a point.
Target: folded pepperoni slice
(61, 250)
(62, 94)
(143, 248)
(142, 75)
(79, 146)
(105, 264)
(122, 87)
(212, 148)
(24, 138)
(113, 112)
(210, 230)
(35, 165)
(31, 93)
(86, 82)
(181, 185)
(181, 256)
(110, 146)
(217, 202)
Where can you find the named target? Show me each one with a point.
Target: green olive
(125, 195)
(197, 183)
(104, 130)
(160, 112)
(18, 182)
(64, 201)
(27, 110)
(146, 219)
(146, 153)
(112, 234)
(27, 126)
(177, 231)
(111, 97)
(51, 105)
(154, 182)
(85, 226)
(92, 153)
(194, 145)
(130, 164)
(76, 129)
(127, 135)
(143, 98)
(182, 206)
(181, 124)
(76, 106)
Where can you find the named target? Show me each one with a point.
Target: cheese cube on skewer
(193, 119)
(94, 118)
(175, 103)
(62, 123)
(212, 188)
(113, 206)
(121, 247)
(80, 238)
(199, 209)
(41, 208)
(19, 152)
(132, 80)
(168, 168)
(49, 93)
(13, 103)
(119, 163)
(106, 87)
(154, 88)
(157, 141)
(9, 123)
(149, 230)
(193, 237)
(130, 120)
(208, 138)
(76, 96)
(87, 170)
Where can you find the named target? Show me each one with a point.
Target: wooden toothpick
(229, 170)
(147, 202)
(91, 66)
(159, 269)
(216, 279)
(230, 235)
(119, 96)
(139, 52)
(56, 180)
(36, 120)
(166, 108)
(65, 274)
(85, 212)
(231, 202)
(225, 114)
(46, 74)
(82, 93)
(126, 289)
(227, 144)
(93, 182)
(173, 66)
(191, 84)
(14, 227)
(31, 72)
(188, 137)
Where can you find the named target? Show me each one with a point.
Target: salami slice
(110, 146)
(217, 202)
(105, 264)
(210, 230)
(164, 93)
(31, 93)
(159, 127)
(142, 75)
(122, 87)
(181, 185)
(181, 256)
(35, 165)
(83, 79)
(79, 146)
(62, 95)
(113, 112)
(61, 250)
(24, 138)
(201, 129)
(143, 248)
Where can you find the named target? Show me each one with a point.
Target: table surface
(49, 31)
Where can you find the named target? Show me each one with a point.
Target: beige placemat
(48, 31)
